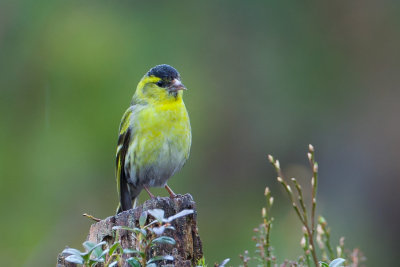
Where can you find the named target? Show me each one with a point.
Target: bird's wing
(125, 133)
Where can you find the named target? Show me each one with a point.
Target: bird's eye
(160, 83)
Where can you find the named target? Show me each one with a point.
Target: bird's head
(160, 83)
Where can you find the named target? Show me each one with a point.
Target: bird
(154, 136)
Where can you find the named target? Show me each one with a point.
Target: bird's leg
(148, 192)
(171, 193)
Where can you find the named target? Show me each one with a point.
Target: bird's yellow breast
(163, 133)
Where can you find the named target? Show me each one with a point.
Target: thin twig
(91, 217)
(327, 236)
(300, 193)
(302, 217)
(290, 194)
(314, 185)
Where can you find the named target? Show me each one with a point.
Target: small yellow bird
(154, 136)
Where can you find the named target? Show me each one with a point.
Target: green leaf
(120, 227)
(178, 215)
(88, 245)
(337, 262)
(98, 250)
(158, 214)
(133, 262)
(103, 254)
(143, 219)
(130, 251)
(135, 230)
(114, 263)
(72, 251)
(224, 262)
(140, 231)
(161, 258)
(91, 248)
(75, 259)
(93, 261)
(201, 262)
(323, 264)
(113, 248)
(164, 240)
(158, 230)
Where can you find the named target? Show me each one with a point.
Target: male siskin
(154, 136)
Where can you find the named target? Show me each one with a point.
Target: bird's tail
(128, 195)
(119, 209)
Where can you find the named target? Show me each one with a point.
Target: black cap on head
(164, 71)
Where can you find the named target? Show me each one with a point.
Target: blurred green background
(263, 77)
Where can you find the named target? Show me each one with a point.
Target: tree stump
(188, 248)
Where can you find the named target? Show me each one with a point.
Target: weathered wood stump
(188, 248)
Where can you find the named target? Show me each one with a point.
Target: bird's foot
(171, 193)
(148, 192)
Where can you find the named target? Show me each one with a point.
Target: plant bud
(267, 191)
(315, 169)
(341, 241)
(303, 242)
(304, 230)
(319, 229)
(339, 251)
(271, 201)
(289, 189)
(277, 165)
(319, 241)
(310, 148)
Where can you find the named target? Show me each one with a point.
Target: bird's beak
(176, 85)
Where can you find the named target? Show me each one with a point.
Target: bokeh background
(263, 77)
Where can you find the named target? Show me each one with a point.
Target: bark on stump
(187, 250)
